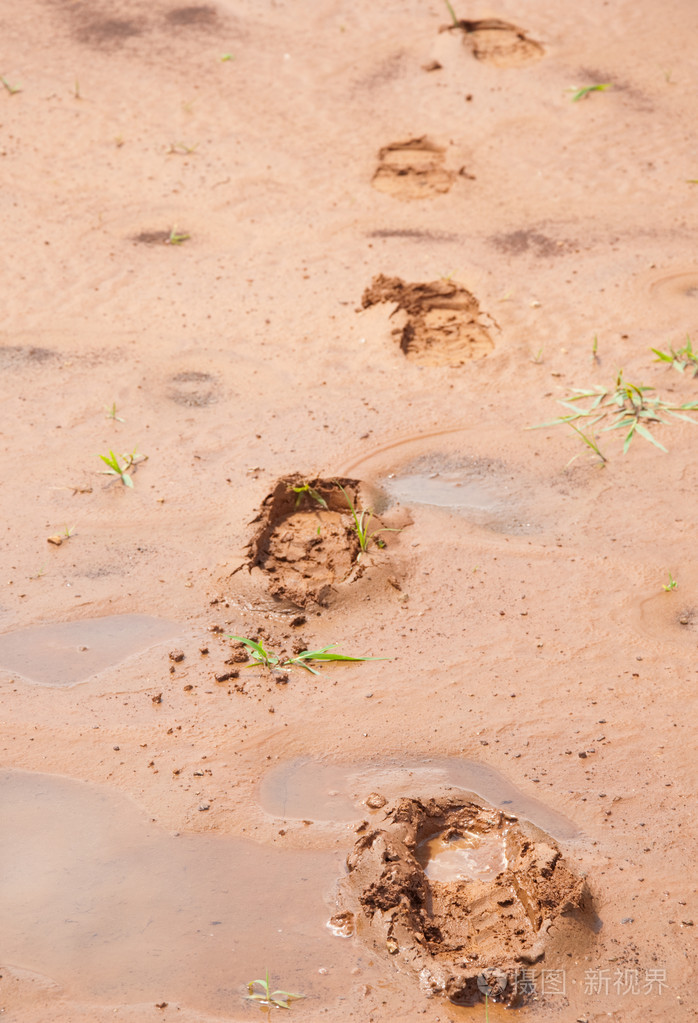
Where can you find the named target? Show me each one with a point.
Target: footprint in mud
(499, 43)
(459, 893)
(307, 542)
(413, 169)
(193, 389)
(441, 320)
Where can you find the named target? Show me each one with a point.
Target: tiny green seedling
(176, 237)
(226, 57)
(454, 19)
(671, 585)
(305, 488)
(362, 522)
(538, 357)
(680, 360)
(112, 412)
(590, 440)
(269, 659)
(60, 538)
(12, 89)
(583, 93)
(278, 999)
(595, 351)
(115, 468)
(627, 405)
(182, 149)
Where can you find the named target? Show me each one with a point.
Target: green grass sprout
(583, 93)
(671, 585)
(115, 468)
(454, 19)
(227, 57)
(177, 237)
(278, 999)
(182, 149)
(12, 89)
(681, 359)
(305, 488)
(362, 522)
(111, 413)
(627, 406)
(269, 659)
(590, 440)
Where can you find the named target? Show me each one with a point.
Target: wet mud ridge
(464, 896)
(307, 543)
(442, 320)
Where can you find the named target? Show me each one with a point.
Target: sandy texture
(191, 215)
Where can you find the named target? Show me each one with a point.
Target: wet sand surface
(254, 242)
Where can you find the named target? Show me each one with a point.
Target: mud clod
(449, 932)
(442, 320)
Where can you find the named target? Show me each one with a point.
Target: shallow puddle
(116, 909)
(65, 653)
(432, 471)
(468, 857)
(313, 790)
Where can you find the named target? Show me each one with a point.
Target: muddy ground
(261, 241)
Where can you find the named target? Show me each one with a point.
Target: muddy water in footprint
(117, 910)
(468, 857)
(65, 653)
(335, 792)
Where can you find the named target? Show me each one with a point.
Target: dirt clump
(498, 42)
(307, 543)
(477, 927)
(412, 169)
(442, 320)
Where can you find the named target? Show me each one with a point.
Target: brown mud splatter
(443, 320)
(412, 169)
(457, 935)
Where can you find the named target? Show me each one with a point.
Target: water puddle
(433, 472)
(116, 909)
(65, 653)
(485, 500)
(315, 790)
(470, 857)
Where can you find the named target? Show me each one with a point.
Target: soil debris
(487, 919)
(442, 320)
(412, 169)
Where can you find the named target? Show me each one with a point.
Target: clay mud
(459, 927)
(198, 196)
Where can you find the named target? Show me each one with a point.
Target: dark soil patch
(442, 325)
(202, 15)
(528, 242)
(152, 238)
(412, 169)
(308, 545)
(461, 935)
(22, 355)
